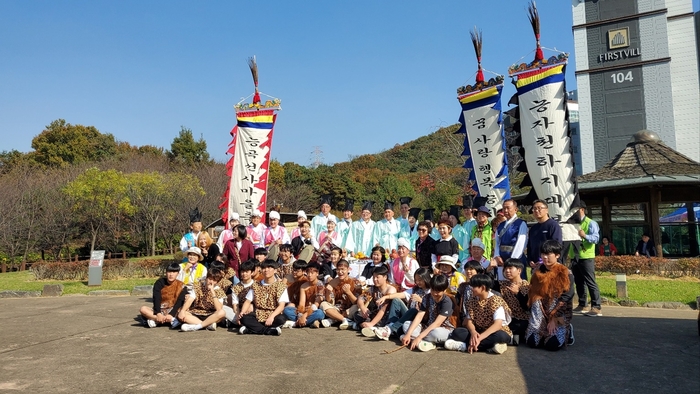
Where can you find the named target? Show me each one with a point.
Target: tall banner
(250, 155)
(250, 147)
(546, 142)
(484, 142)
(544, 137)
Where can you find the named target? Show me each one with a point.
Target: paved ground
(93, 344)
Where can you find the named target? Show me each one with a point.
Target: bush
(112, 269)
(643, 265)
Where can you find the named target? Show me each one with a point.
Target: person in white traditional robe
(467, 226)
(227, 234)
(256, 230)
(343, 225)
(387, 230)
(361, 236)
(318, 223)
(411, 231)
(190, 239)
(404, 207)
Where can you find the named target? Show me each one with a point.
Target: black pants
(461, 334)
(253, 326)
(518, 327)
(552, 344)
(584, 277)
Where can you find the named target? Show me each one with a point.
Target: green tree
(185, 150)
(153, 194)
(62, 144)
(101, 200)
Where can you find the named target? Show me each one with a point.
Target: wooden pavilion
(627, 194)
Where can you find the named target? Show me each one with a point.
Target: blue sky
(354, 77)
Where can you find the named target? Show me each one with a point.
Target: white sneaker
(211, 327)
(344, 325)
(325, 323)
(242, 330)
(383, 333)
(368, 332)
(288, 324)
(277, 331)
(458, 346)
(498, 348)
(189, 327)
(151, 323)
(175, 323)
(425, 346)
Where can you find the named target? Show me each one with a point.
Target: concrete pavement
(93, 344)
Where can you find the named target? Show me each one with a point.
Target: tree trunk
(3, 268)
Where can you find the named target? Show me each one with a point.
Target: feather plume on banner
(484, 142)
(251, 143)
(254, 70)
(544, 137)
(534, 17)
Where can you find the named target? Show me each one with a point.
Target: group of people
(458, 285)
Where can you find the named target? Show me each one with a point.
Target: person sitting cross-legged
(268, 298)
(424, 332)
(168, 298)
(204, 304)
(487, 320)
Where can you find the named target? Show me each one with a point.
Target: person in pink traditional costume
(404, 267)
(256, 230)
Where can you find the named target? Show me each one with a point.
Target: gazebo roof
(645, 160)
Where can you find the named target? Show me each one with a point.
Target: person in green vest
(483, 230)
(583, 265)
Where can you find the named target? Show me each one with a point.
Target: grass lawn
(649, 288)
(24, 280)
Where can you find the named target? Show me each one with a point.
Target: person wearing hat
(447, 266)
(483, 229)
(343, 225)
(386, 232)
(457, 230)
(510, 239)
(256, 229)
(361, 236)
(404, 208)
(467, 226)
(403, 267)
(227, 234)
(583, 264)
(320, 221)
(193, 270)
(275, 235)
(329, 237)
(411, 231)
(190, 239)
(301, 218)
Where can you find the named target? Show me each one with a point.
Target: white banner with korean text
(545, 139)
(252, 141)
